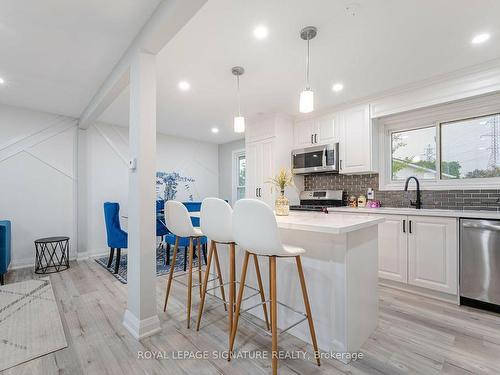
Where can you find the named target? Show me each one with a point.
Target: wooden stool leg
(190, 280)
(274, 316)
(261, 290)
(308, 308)
(232, 285)
(205, 282)
(238, 304)
(199, 264)
(219, 276)
(171, 273)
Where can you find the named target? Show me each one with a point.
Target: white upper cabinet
(303, 133)
(357, 143)
(317, 131)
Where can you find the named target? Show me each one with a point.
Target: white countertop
(326, 223)
(421, 212)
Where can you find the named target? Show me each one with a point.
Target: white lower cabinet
(392, 248)
(419, 250)
(433, 253)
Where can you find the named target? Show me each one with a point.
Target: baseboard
(140, 329)
(445, 297)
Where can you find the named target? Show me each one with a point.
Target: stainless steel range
(319, 200)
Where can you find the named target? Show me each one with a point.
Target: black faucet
(418, 202)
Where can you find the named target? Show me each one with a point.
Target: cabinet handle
(260, 192)
(340, 164)
(315, 138)
(404, 226)
(312, 138)
(410, 226)
(256, 192)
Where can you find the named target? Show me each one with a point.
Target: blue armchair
(117, 237)
(4, 248)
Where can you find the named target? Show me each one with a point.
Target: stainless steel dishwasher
(480, 263)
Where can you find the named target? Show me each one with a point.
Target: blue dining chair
(117, 237)
(4, 248)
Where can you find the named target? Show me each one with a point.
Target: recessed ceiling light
(184, 86)
(215, 130)
(260, 32)
(480, 38)
(338, 87)
(2, 81)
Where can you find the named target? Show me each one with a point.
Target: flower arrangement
(283, 179)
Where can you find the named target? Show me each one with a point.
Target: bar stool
(216, 223)
(179, 223)
(255, 229)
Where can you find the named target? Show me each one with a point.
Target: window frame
(433, 117)
(236, 154)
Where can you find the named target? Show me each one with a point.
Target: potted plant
(281, 181)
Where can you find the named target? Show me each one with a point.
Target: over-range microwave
(316, 159)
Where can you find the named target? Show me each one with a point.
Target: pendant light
(306, 103)
(239, 120)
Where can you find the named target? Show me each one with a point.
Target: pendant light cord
(307, 65)
(238, 93)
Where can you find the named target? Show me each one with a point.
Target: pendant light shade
(306, 102)
(239, 124)
(239, 120)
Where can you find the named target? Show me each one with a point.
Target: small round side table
(52, 254)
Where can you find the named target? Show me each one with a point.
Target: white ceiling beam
(168, 18)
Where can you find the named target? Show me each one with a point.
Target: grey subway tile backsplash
(443, 199)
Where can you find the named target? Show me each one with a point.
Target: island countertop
(332, 223)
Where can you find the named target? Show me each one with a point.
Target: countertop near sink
(421, 212)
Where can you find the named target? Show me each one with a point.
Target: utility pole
(494, 144)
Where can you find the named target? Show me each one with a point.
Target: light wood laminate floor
(416, 335)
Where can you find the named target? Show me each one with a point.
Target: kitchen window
(239, 175)
(448, 150)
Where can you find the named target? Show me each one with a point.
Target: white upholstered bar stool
(179, 223)
(216, 223)
(255, 230)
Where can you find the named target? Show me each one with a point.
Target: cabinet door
(267, 171)
(252, 169)
(433, 253)
(355, 140)
(303, 133)
(392, 248)
(325, 127)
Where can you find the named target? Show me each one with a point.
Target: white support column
(141, 317)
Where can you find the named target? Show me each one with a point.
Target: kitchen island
(340, 267)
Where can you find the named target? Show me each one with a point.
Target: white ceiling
(56, 53)
(60, 53)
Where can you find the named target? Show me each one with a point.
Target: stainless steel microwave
(316, 159)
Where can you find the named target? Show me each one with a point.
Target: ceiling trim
(168, 18)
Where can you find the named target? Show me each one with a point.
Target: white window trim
(234, 174)
(434, 116)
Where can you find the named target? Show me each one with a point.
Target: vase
(282, 205)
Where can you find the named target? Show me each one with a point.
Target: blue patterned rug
(161, 267)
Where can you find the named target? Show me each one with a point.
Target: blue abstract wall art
(171, 185)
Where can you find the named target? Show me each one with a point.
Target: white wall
(226, 167)
(106, 173)
(38, 178)
(38, 169)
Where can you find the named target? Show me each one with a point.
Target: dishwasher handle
(481, 226)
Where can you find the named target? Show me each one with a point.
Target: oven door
(315, 159)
